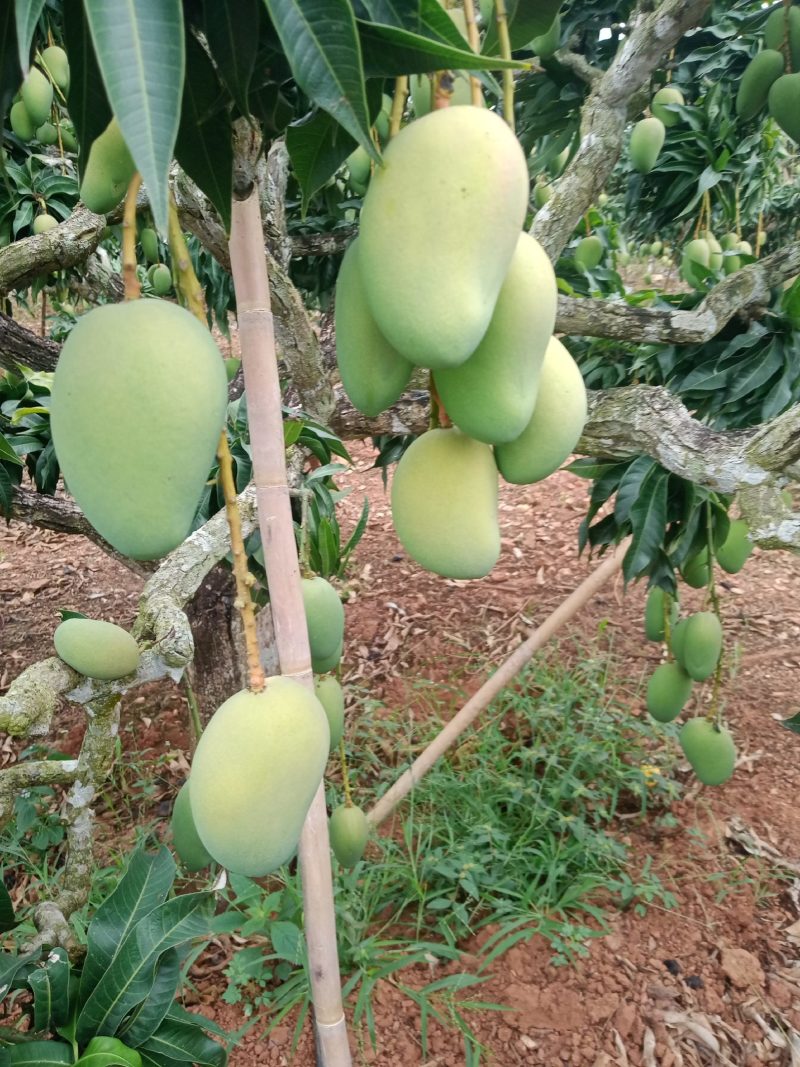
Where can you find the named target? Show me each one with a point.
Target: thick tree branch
(604, 118)
(65, 245)
(20, 345)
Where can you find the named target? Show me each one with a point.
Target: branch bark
(65, 245)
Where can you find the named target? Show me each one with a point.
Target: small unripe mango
(97, 649)
(21, 122)
(331, 697)
(702, 645)
(108, 172)
(37, 96)
(647, 140)
(324, 617)
(759, 75)
(161, 279)
(697, 570)
(670, 94)
(56, 62)
(657, 599)
(734, 551)
(47, 134)
(709, 749)
(349, 830)
(191, 851)
(589, 252)
(148, 239)
(44, 222)
(667, 692)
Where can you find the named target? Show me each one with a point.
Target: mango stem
(129, 279)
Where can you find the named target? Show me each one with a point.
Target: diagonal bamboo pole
(494, 685)
(251, 283)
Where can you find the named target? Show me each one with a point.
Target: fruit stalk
(251, 284)
(505, 52)
(398, 105)
(131, 282)
(495, 684)
(475, 44)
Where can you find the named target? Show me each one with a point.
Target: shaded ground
(730, 993)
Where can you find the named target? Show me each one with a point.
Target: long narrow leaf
(27, 14)
(36, 1054)
(151, 1012)
(187, 1042)
(232, 34)
(89, 108)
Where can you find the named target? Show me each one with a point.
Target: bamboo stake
(475, 44)
(494, 685)
(131, 282)
(505, 52)
(249, 270)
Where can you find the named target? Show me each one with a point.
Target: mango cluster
(707, 252)
(772, 78)
(648, 135)
(35, 112)
(442, 277)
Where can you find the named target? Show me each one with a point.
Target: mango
(647, 140)
(491, 397)
(655, 248)
(556, 424)
(255, 771)
(324, 617)
(161, 279)
(714, 249)
(709, 749)
(349, 830)
(55, 61)
(323, 664)
(21, 122)
(657, 598)
(44, 222)
(730, 263)
(330, 695)
(548, 43)
(589, 252)
(108, 172)
(782, 28)
(148, 239)
(541, 194)
(47, 134)
(95, 648)
(745, 248)
(558, 163)
(696, 253)
(68, 139)
(759, 75)
(359, 166)
(138, 474)
(444, 504)
(439, 227)
(734, 551)
(696, 571)
(678, 639)
(702, 645)
(383, 119)
(667, 692)
(185, 838)
(670, 94)
(37, 96)
(373, 373)
(784, 104)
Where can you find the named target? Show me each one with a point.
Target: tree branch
(20, 345)
(604, 118)
(65, 245)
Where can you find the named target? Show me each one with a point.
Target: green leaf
(7, 453)
(149, 1015)
(139, 46)
(390, 52)
(317, 148)
(321, 43)
(526, 19)
(11, 964)
(204, 147)
(358, 532)
(131, 975)
(792, 724)
(186, 1042)
(287, 941)
(108, 1052)
(37, 1054)
(10, 73)
(7, 919)
(142, 888)
(630, 486)
(27, 15)
(648, 518)
(232, 34)
(57, 968)
(89, 108)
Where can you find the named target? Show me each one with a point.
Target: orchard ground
(731, 939)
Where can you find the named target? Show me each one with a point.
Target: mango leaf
(648, 518)
(204, 147)
(27, 14)
(427, 18)
(37, 1054)
(7, 453)
(148, 1016)
(317, 148)
(49, 982)
(792, 724)
(232, 34)
(108, 1052)
(142, 888)
(89, 108)
(390, 51)
(11, 963)
(10, 73)
(271, 108)
(330, 73)
(630, 486)
(131, 975)
(140, 52)
(186, 1042)
(526, 19)
(7, 919)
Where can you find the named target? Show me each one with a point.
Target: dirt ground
(715, 980)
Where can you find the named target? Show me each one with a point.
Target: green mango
(359, 166)
(185, 839)
(696, 571)
(383, 119)
(709, 749)
(556, 424)
(44, 222)
(541, 194)
(715, 256)
(655, 248)
(444, 504)
(161, 279)
(667, 692)
(55, 61)
(255, 771)
(21, 122)
(702, 645)
(654, 613)
(136, 435)
(549, 42)
(589, 252)
(781, 28)
(37, 96)
(670, 94)
(745, 248)
(108, 172)
(148, 239)
(95, 648)
(439, 227)
(47, 134)
(735, 550)
(491, 397)
(759, 75)
(68, 139)
(373, 373)
(324, 617)
(696, 252)
(323, 664)
(647, 140)
(678, 640)
(349, 830)
(784, 104)
(330, 695)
